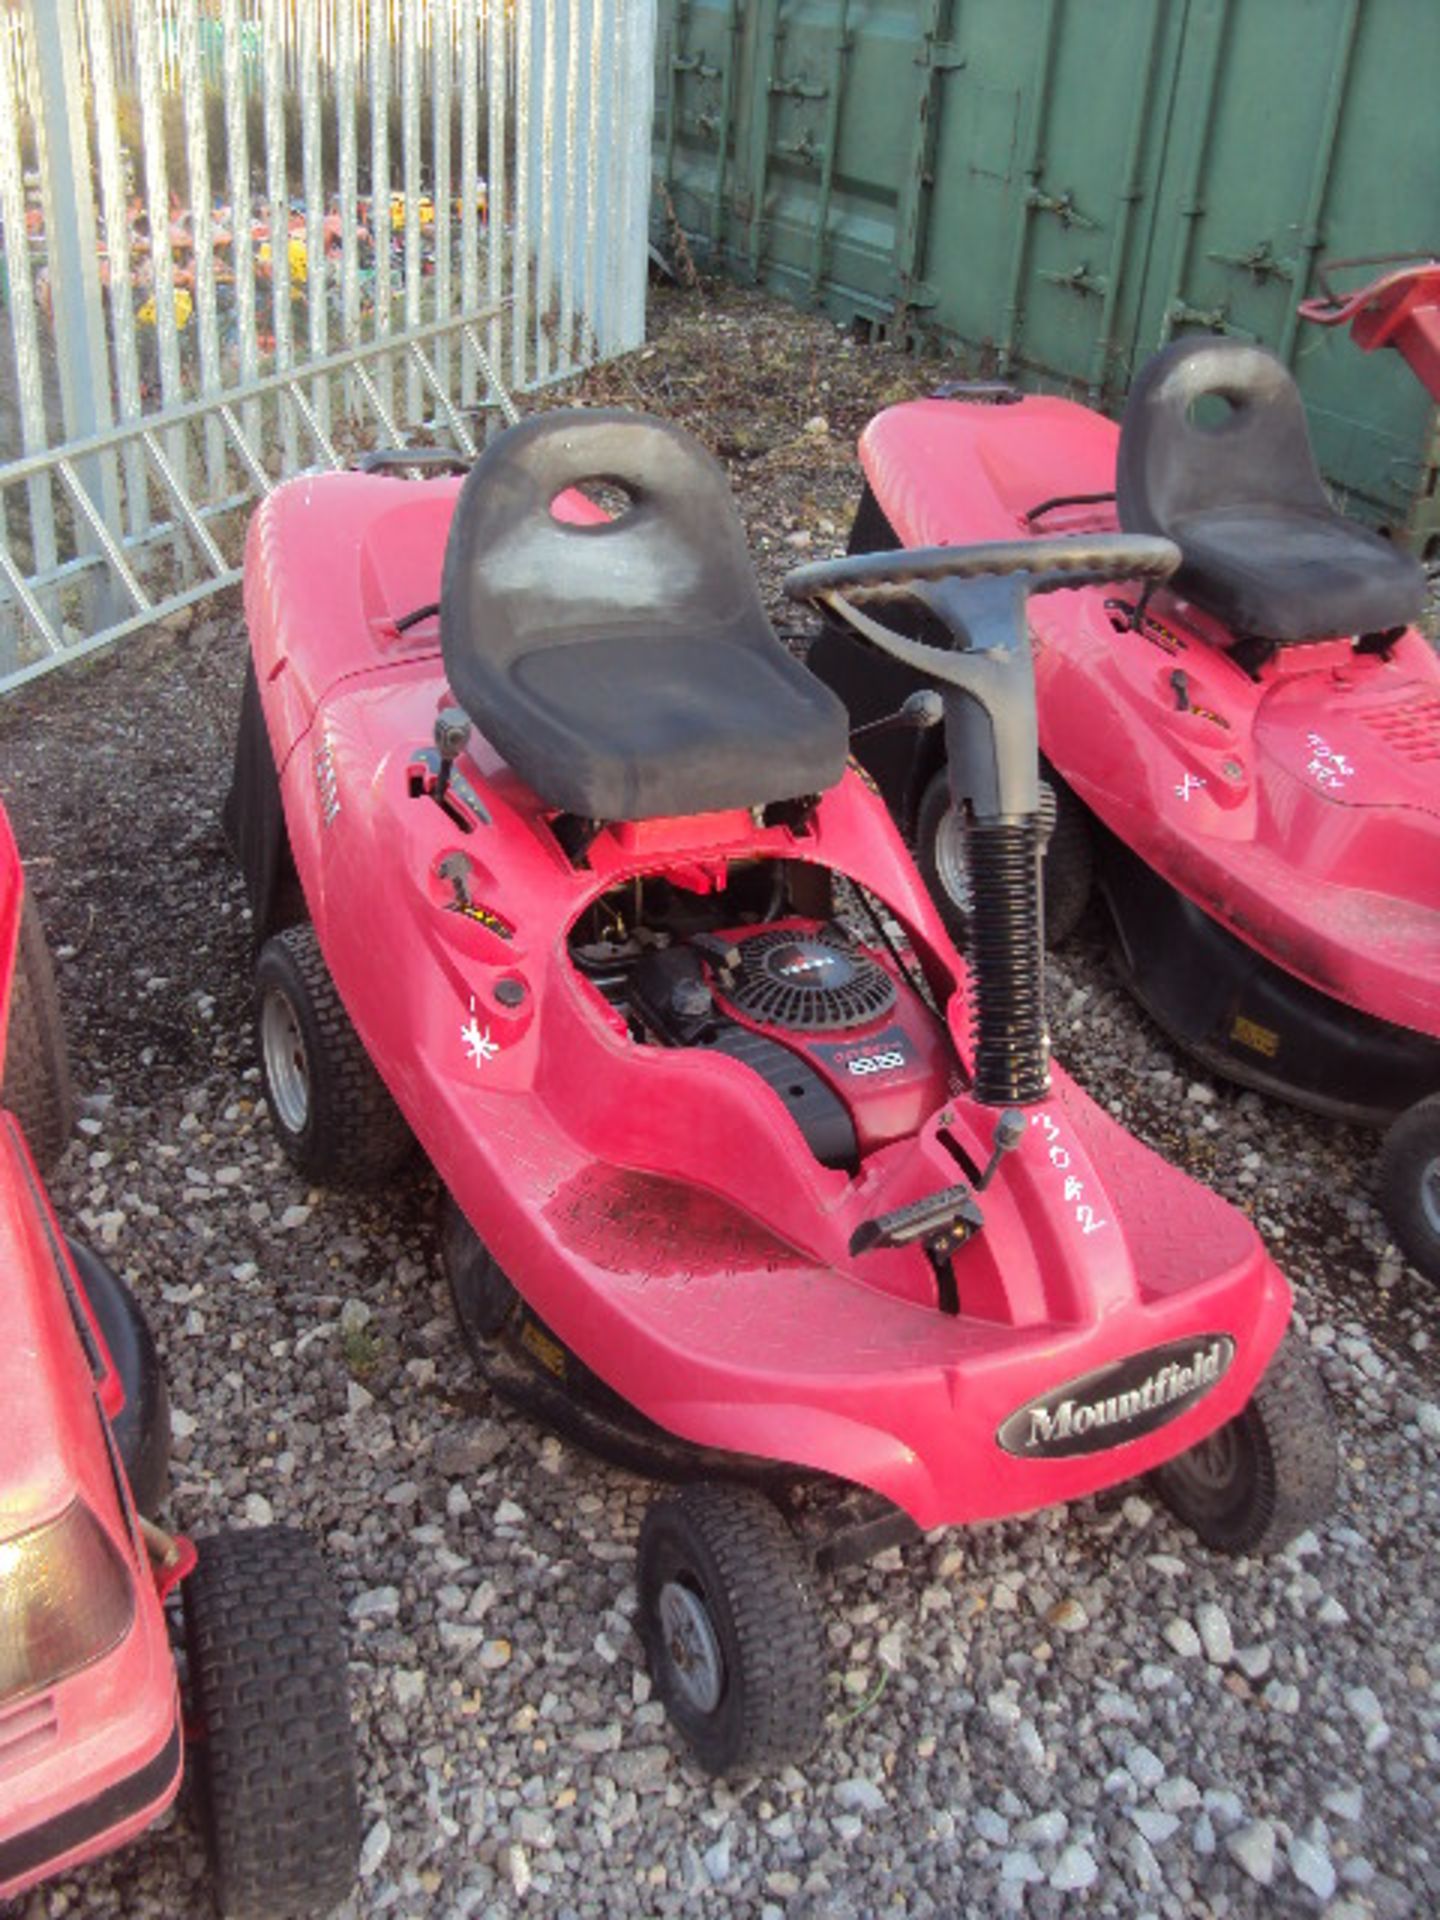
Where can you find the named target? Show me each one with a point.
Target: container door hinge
(1079, 279)
(941, 57)
(1261, 262)
(799, 89)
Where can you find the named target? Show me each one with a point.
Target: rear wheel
(1067, 869)
(275, 1758)
(1266, 1475)
(37, 1067)
(331, 1110)
(485, 1301)
(731, 1628)
(1410, 1185)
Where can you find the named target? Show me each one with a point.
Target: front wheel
(1067, 867)
(1410, 1185)
(275, 1757)
(731, 1628)
(1266, 1475)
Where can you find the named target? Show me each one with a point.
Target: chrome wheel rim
(1430, 1195)
(1214, 1471)
(287, 1071)
(950, 862)
(691, 1646)
(1211, 1464)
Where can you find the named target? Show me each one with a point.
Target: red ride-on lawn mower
(751, 1183)
(93, 1730)
(1247, 758)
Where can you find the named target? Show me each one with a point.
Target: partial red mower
(755, 1184)
(1244, 757)
(94, 1724)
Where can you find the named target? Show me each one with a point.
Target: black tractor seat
(625, 669)
(1263, 548)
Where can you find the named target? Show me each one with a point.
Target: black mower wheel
(940, 856)
(485, 1301)
(1067, 872)
(1267, 1474)
(37, 1067)
(332, 1112)
(731, 1628)
(275, 1758)
(1410, 1185)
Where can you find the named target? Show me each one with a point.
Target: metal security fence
(243, 237)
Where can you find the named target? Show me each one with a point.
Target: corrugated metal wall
(1064, 184)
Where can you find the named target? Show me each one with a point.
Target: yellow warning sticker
(1249, 1033)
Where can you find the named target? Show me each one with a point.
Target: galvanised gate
(242, 237)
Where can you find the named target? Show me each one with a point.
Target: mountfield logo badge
(1120, 1402)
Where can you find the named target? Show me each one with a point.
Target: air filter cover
(803, 980)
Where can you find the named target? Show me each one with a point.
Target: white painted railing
(245, 236)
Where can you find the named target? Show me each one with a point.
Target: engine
(832, 1026)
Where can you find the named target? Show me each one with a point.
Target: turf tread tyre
(757, 1586)
(1069, 865)
(275, 1758)
(1289, 1451)
(354, 1135)
(37, 1067)
(1409, 1152)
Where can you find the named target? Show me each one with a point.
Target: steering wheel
(1071, 560)
(979, 593)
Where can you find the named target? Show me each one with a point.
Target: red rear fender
(949, 471)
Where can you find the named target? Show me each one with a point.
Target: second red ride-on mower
(94, 1727)
(751, 1181)
(1247, 757)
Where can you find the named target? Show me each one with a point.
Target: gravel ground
(1083, 1705)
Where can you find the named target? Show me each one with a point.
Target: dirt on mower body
(94, 1728)
(1249, 755)
(647, 971)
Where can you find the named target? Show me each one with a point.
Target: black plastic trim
(142, 1426)
(1246, 1018)
(28, 1852)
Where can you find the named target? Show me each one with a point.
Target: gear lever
(452, 736)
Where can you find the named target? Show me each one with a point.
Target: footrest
(941, 1220)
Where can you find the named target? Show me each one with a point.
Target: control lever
(456, 868)
(1009, 1132)
(917, 713)
(941, 1223)
(452, 736)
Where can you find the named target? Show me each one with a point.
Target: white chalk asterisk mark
(476, 1040)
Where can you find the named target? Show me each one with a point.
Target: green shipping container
(1063, 185)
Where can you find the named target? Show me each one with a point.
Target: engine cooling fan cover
(798, 979)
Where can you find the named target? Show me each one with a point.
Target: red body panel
(1400, 310)
(70, 1743)
(659, 1207)
(1302, 809)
